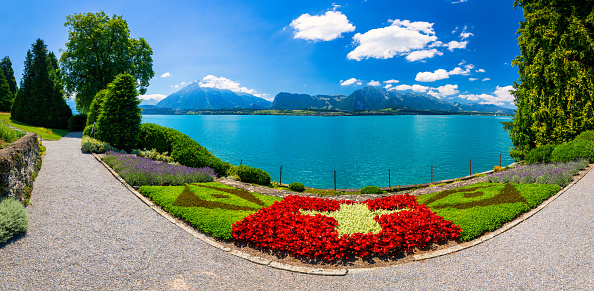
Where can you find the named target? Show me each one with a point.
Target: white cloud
(480, 71)
(459, 1)
(350, 81)
(443, 91)
(462, 63)
(321, 27)
(503, 93)
(388, 86)
(499, 97)
(416, 88)
(157, 97)
(211, 81)
(464, 34)
(374, 83)
(458, 71)
(472, 79)
(166, 75)
(486, 79)
(393, 81)
(422, 54)
(432, 77)
(182, 84)
(456, 45)
(400, 38)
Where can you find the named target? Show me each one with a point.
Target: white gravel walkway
(88, 232)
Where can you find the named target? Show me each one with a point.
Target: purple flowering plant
(540, 173)
(139, 171)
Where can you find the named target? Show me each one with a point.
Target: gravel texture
(87, 231)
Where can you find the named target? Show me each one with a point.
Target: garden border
(332, 272)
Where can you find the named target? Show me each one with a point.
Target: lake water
(361, 149)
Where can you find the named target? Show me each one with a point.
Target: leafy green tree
(41, 101)
(6, 66)
(555, 92)
(120, 117)
(100, 48)
(95, 110)
(5, 94)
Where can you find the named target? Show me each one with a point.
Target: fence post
(431, 173)
(389, 179)
(470, 167)
(334, 180)
(240, 162)
(500, 160)
(280, 180)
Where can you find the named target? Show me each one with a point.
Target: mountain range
(367, 99)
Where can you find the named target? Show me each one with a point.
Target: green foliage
(586, 135)
(573, 150)
(93, 39)
(201, 206)
(183, 149)
(541, 154)
(248, 174)
(485, 207)
(40, 101)
(8, 134)
(13, 219)
(6, 67)
(77, 122)
(91, 145)
(45, 133)
(154, 155)
(517, 154)
(322, 192)
(297, 187)
(6, 96)
(96, 106)
(120, 118)
(371, 190)
(555, 94)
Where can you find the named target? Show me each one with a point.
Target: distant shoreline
(307, 112)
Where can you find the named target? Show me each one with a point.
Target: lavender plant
(559, 173)
(138, 171)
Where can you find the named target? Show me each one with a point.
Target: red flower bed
(282, 227)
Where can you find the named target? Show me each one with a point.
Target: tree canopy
(100, 48)
(5, 94)
(6, 66)
(555, 92)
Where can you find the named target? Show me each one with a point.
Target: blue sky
(456, 50)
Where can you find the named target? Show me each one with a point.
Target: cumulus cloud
(422, 54)
(452, 45)
(157, 97)
(374, 83)
(211, 81)
(416, 88)
(486, 79)
(393, 81)
(350, 81)
(432, 76)
(464, 34)
(472, 79)
(443, 91)
(480, 71)
(180, 85)
(388, 86)
(501, 96)
(166, 75)
(402, 37)
(326, 27)
(459, 1)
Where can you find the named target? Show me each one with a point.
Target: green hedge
(13, 219)
(540, 154)
(181, 147)
(297, 187)
(248, 174)
(77, 122)
(573, 150)
(371, 190)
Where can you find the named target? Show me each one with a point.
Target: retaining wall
(19, 162)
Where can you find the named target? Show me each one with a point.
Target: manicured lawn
(212, 210)
(46, 133)
(483, 207)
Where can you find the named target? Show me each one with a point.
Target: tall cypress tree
(42, 100)
(5, 94)
(6, 66)
(555, 93)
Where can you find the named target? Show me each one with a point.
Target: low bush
(9, 134)
(154, 155)
(297, 187)
(371, 190)
(560, 173)
(91, 145)
(183, 149)
(77, 122)
(248, 174)
(540, 154)
(13, 219)
(498, 169)
(573, 150)
(586, 135)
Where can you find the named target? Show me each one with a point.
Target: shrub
(9, 134)
(91, 145)
(13, 219)
(183, 149)
(297, 187)
(96, 106)
(573, 150)
(560, 174)
(371, 190)
(540, 154)
(77, 122)
(586, 135)
(120, 117)
(498, 169)
(250, 175)
(154, 155)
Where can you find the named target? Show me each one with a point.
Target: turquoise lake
(361, 149)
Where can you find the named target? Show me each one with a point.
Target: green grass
(210, 207)
(483, 207)
(46, 133)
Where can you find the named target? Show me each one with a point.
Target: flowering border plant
(283, 227)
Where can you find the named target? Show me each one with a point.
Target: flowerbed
(558, 173)
(138, 171)
(284, 227)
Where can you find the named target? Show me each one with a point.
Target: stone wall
(19, 162)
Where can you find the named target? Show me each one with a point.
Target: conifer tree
(95, 110)
(6, 66)
(120, 117)
(5, 94)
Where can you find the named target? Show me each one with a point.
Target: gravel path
(87, 231)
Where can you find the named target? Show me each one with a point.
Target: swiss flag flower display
(283, 227)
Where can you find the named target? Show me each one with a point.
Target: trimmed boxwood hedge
(181, 147)
(248, 174)
(540, 154)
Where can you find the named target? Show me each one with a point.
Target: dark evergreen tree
(5, 94)
(120, 117)
(42, 100)
(6, 66)
(95, 110)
